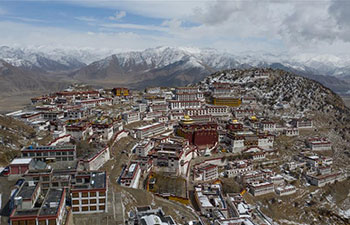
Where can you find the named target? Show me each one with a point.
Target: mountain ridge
(157, 61)
(167, 66)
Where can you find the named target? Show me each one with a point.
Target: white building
(194, 104)
(131, 117)
(90, 192)
(258, 189)
(144, 147)
(319, 144)
(150, 130)
(131, 176)
(291, 132)
(287, 190)
(205, 172)
(218, 110)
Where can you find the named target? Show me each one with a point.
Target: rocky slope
(18, 81)
(300, 97)
(277, 86)
(13, 135)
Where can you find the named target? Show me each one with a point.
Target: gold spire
(187, 119)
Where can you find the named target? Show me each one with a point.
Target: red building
(234, 126)
(198, 133)
(20, 166)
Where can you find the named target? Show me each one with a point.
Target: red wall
(18, 169)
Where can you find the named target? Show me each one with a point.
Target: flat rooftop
(51, 202)
(147, 126)
(26, 191)
(19, 161)
(97, 180)
(49, 207)
(48, 148)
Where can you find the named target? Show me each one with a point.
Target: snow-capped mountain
(49, 59)
(179, 66)
(164, 56)
(170, 65)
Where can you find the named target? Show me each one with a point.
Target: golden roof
(187, 119)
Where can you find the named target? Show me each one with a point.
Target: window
(93, 201)
(75, 195)
(93, 208)
(31, 222)
(85, 208)
(52, 222)
(85, 201)
(15, 223)
(101, 207)
(102, 193)
(42, 222)
(75, 202)
(102, 200)
(92, 194)
(85, 194)
(76, 209)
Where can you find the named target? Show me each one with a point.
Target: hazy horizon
(313, 27)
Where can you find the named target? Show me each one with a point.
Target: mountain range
(166, 66)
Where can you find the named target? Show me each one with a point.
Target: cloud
(161, 9)
(20, 34)
(294, 25)
(86, 19)
(217, 12)
(339, 10)
(300, 26)
(25, 19)
(308, 23)
(118, 15)
(134, 26)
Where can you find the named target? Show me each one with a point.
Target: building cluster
(62, 177)
(222, 209)
(193, 136)
(148, 216)
(316, 169)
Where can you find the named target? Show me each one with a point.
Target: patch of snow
(345, 213)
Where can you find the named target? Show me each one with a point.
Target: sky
(311, 26)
